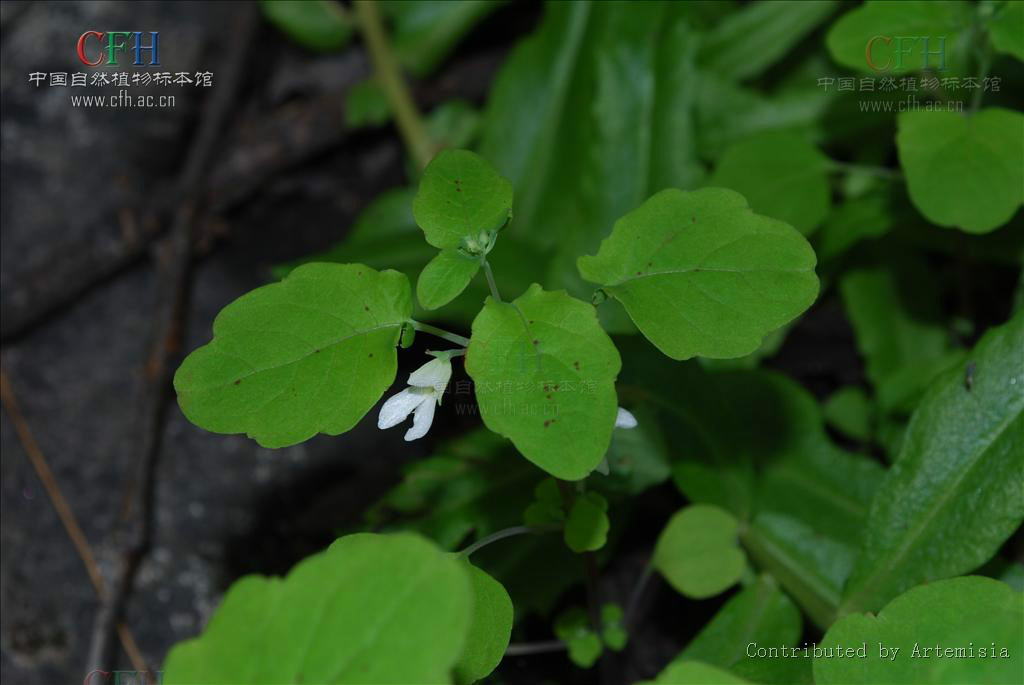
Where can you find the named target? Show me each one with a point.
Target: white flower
(426, 388)
(625, 419)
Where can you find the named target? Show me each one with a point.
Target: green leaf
(1006, 30)
(588, 117)
(861, 218)
(544, 375)
(546, 509)
(781, 175)
(322, 25)
(895, 311)
(700, 274)
(475, 484)
(956, 492)
(535, 569)
(694, 673)
(698, 553)
(462, 202)
(340, 616)
(811, 567)
(489, 629)
(761, 613)
(454, 124)
(613, 632)
(311, 354)
(849, 410)
(445, 277)
(912, 21)
(425, 32)
(747, 42)
(638, 458)
(366, 104)
(964, 172)
(573, 628)
(586, 528)
(976, 618)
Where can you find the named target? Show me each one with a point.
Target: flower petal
(399, 406)
(624, 419)
(421, 420)
(434, 374)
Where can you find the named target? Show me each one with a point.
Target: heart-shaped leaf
(882, 36)
(979, 621)
(462, 201)
(310, 354)
(698, 552)
(545, 378)
(701, 274)
(966, 172)
(445, 277)
(341, 616)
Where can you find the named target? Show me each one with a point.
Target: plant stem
(407, 117)
(490, 279)
(879, 171)
(985, 65)
(441, 333)
(494, 537)
(589, 562)
(527, 648)
(635, 595)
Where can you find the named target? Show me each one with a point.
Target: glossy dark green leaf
(544, 375)
(338, 617)
(311, 354)
(701, 274)
(979, 620)
(811, 567)
(956, 492)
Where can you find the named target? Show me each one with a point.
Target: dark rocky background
(88, 196)
(91, 273)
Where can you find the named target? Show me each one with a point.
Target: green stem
(410, 124)
(490, 279)
(879, 171)
(529, 648)
(985, 65)
(589, 561)
(494, 537)
(441, 333)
